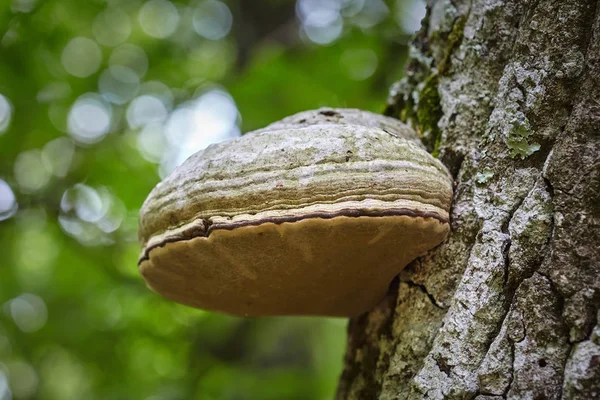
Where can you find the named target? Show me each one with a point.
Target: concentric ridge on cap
(303, 160)
(204, 227)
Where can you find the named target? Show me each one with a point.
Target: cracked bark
(507, 93)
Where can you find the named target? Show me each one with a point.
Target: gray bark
(507, 92)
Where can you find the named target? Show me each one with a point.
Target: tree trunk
(507, 92)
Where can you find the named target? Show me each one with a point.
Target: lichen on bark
(511, 300)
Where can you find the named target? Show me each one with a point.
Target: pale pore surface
(336, 267)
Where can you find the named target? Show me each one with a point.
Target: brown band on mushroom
(347, 212)
(207, 227)
(197, 228)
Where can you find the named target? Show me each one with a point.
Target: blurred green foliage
(77, 159)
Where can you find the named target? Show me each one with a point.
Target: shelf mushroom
(313, 215)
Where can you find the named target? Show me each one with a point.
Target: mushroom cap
(313, 215)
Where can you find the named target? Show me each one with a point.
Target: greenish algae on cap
(313, 215)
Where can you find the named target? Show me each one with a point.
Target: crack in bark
(512, 368)
(423, 289)
(443, 365)
(590, 29)
(561, 304)
(505, 254)
(555, 290)
(564, 368)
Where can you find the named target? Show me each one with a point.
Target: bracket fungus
(313, 215)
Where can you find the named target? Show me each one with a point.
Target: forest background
(100, 99)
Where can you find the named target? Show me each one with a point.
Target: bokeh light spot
(22, 6)
(409, 15)
(58, 113)
(151, 142)
(84, 201)
(305, 7)
(359, 64)
(212, 19)
(130, 56)
(106, 310)
(81, 57)
(211, 118)
(160, 90)
(212, 60)
(351, 8)
(5, 114)
(29, 312)
(23, 379)
(146, 109)
(53, 91)
(90, 214)
(31, 172)
(158, 18)
(8, 202)
(114, 214)
(372, 13)
(58, 154)
(89, 119)
(118, 84)
(321, 21)
(34, 268)
(5, 393)
(63, 376)
(111, 27)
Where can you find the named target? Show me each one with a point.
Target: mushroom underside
(340, 266)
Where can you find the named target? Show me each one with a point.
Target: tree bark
(507, 93)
